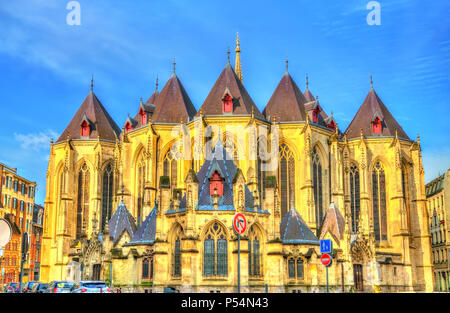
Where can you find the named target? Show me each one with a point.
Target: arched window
(140, 176)
(405, 191)
(299, 268)
(291, 268)
(215, 254)
(317, 183)
(254, 253)
(170, 168)
(286, 176)
(83, 198)
(176, 254)
(107, 195)
(354, 197)
(147, 268)
(379, 203)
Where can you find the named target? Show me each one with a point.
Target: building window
(379, 202)
(215, 254)
(140, 175)
(405, 191)
(376, 126)
(254, 253)
(176, 253)
(170, 168)
(107, 195)
(299, 268)
(295, 268)
(354, 197)
(84, 129)
(227, 101)
(83, 198)
(147, 268)
(318, 189)
(286, 176)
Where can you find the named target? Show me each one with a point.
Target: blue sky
(46, 65)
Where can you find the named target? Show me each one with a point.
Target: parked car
(91, 286)
(11, 288)
(60, 286)
(170, 289)
(28, 286)
(39, 288)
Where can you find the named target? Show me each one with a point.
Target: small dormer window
(143, 115)
(216, 184)
(128, 127)
(84, 129)
(332, 125)
(315, 114)
(376, 126)
(227, 101)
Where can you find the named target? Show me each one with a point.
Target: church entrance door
(358, 277)
(96, 271)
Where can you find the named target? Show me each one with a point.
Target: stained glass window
(405, 190)
(145, 268)
(215, 252)
(140, 175)
(354, 197)
(170, 168)
(286, 177)
(379, 202)
(254, 253)
(177, 258)
(83, 198)
(107, 195)
(317, 183)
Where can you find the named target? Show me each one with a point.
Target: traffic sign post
(326, 246)
(25, 246)
(326, 260)
(239, 226)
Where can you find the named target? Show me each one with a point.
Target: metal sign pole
(328, 288)
(239, 263)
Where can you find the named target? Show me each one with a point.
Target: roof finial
(237, 65)
(371, 81)
(92, 83)
(141, 100)
(307, 83)
(174, 65)
(287, 64)
(418, 139)
(156, 82)
(228, 55)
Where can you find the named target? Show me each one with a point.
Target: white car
(91, 286)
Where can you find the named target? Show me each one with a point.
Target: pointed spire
(92, 83)
(237, 66)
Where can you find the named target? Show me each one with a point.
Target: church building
(149, 204)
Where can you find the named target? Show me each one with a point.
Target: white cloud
(35, 141)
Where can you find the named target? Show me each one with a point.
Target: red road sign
(326, 259)
(239, 223)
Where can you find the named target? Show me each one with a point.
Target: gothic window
(176, 254)
(254, 253)
(83, 198)
(379, 202)
(227, 101)
(376, 125)
(107, 195)
(354, 197)
(405, 191)
(170, 168)
(140, 177)
(291, 268)
(147, 268)
(84, 129)
(215, 252)
(286, 176)
(295, 268)
(299, 268)
(318, 187)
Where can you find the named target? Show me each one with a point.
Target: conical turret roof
(229, 82)
(100, 122)
(373, 107)
(287, 102)
(173, 105)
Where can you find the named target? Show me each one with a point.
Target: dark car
(11, 288)
(60, 286)
(39, 288)
(28, 286)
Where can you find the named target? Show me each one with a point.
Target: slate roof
(334, 223)
(121, 221)
(294, 230)
(226, 166)
(173, 105)
(101, 123)
(373, 106)
(146, 232)
(287, 102)
(435, 186)
(242, 102)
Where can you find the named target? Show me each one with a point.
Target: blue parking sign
(326, 246)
